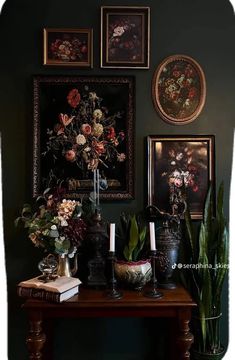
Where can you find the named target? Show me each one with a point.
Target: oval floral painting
(179, 89)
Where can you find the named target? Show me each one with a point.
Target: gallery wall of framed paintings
(178, 93)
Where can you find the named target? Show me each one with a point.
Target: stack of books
(61, 289)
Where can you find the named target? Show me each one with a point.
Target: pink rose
(70, 155)
(86, 129)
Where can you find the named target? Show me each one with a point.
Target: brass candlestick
(153, 291)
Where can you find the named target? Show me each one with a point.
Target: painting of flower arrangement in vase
(82, 124)
(180, 167)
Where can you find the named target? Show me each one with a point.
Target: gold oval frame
(168, 118)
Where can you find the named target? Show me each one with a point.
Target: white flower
(97, 114)
(179, 156)
(121, 157)
(93, 96)
(118, 31)
(53, 227)
(80, 139)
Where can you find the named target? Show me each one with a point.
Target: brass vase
(64, 268)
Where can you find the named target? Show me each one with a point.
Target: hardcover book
(58, 290)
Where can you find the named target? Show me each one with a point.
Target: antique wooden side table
(176, 304)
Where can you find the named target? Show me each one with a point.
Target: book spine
(38, 294)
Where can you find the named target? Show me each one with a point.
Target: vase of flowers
(85, 136)
(56, 225)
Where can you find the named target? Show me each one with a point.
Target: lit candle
(152, 236)
(112, 238)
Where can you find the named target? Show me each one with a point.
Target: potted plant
(134, 270)
(208, 249)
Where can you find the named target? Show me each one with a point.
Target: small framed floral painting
(179, 89)
(125, 37)
(82, 124)
(68, 47)
(179, 166)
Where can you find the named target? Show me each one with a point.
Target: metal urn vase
(167, 244)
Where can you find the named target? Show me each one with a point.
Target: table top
(90, 299)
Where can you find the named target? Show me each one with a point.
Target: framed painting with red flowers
(179, 167)
(68, 47)
(82, 124)
(179, 89)
(125, 37)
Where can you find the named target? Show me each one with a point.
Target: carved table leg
(185, 338)
(36, 338)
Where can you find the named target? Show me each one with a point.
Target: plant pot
(133, 275)
(205, 356)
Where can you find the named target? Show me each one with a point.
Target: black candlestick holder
(112, 292)
(153, 292)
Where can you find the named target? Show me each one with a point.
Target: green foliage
(208, 249)
(133, 234)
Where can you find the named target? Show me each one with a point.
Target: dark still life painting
(68, 47)
(83, 124)
(179, 89)
(125, 36)
(180, 164)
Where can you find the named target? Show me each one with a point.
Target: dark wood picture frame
(179, 89)
(125, 37)
(181, 160)
(81, 123)
(68, 47)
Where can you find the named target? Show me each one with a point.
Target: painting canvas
(125, 36)
(82, 124)
(68, 47)
(178, 162)
(179, 89)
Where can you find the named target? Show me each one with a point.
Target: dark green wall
(202, 29)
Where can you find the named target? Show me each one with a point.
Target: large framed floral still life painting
(125, 37)
(180, 167)
(82, 124)
(179, 89)
(68, 47)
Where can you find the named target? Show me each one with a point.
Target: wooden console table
(175, 304)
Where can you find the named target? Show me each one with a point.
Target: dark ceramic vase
(167, 255)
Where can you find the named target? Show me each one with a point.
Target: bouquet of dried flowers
(56, 225)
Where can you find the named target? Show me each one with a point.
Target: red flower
(176, 73)
(70, 155)
(74, 98)
(189, 71)
(122, 135)
(98, 146)
(192, 93)
(110, 133)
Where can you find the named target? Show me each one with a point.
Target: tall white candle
(112, 238)
(152, 236)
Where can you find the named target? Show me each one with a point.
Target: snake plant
(133, 234)
(208, 249)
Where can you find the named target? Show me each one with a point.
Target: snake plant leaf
(222, 256)
(138, 249)
(191, 235)
(204, 271)
(208, 219)
(134, 234)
